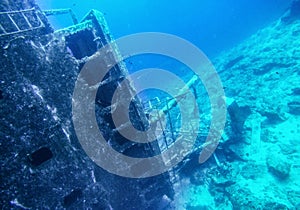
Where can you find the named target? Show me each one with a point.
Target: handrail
(61, 12)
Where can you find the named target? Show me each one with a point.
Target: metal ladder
(30, 26)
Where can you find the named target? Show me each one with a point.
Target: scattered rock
(236, 152)
(296, 91)
(199, 177)
(275, 206)
(287, 149)
(252, 170)
(278, 166)
(268, 67)
(233, 62)
(242, 198)
(274, 115)
(268, 135)
(294, 107)
(199, 207)
(219, 181)
(238, 116)
(223, 183)
(294, 196)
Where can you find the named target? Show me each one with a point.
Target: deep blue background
(212, 25)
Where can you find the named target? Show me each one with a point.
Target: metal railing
(62, 12)
(167, 121)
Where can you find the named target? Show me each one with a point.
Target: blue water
(212, 25)
(215, 26)
(49, 133)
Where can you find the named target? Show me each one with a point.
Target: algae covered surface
(260, 168)
(44, 165)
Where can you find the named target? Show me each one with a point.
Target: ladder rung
(26, 19)
(14, 23)
(18, 30)
(1, 27)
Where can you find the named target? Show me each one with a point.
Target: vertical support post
(13, 22)
(163, 132)
(170, 120)
(26, 19)
(40, 21)
(2, 28)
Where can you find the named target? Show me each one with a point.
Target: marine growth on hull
(46, 165)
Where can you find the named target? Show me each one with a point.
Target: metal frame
(18, 30)
(62, 12)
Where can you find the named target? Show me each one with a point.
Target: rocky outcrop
(262, 149)
(278, 166)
